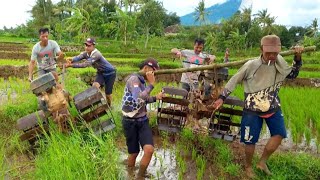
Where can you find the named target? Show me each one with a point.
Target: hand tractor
(179, 105)
(53, 105)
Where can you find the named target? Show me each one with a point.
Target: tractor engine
(54, 98)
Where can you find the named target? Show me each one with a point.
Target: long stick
(212, 66)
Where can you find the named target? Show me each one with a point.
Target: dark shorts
(106, 80)
(137, 132)
(251, 125)
(187, 87)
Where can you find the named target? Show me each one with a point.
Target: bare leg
(132, 159)
(109, 99)
(271, 146)
(249, 150)
(147, 155)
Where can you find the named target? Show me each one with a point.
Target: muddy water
(164, 163)
(162, 166)
(5, 96)
(288, 145)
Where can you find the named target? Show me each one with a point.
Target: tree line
(131, 20)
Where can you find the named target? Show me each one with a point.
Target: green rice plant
(2, 158)
(9, 94)
(181, 163)
(187, 135)
(300, 111)
(158, 174)
(165, 137)
(232, 169)
(21, 106)
(13, 62)
(201, 165)
(290, 166)
(18, 40)
(222, 155)
(315, 67)
(194, 153)
(309, 74)
(77, 155)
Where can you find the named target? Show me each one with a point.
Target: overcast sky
(288, 12)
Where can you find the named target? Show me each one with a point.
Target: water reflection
(162, 165)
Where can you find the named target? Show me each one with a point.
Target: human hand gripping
(176, 52)
(298, 50)
(69, 62)
(160, 95)
(218, 103)
(150, 77)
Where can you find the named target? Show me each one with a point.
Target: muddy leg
(271, 146)
(249, 150)
(147, 155)
(109, 99)
(132, 159)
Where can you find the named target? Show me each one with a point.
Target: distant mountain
(216, 13)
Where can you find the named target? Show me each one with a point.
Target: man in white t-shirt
(44, 53)
(193, 58)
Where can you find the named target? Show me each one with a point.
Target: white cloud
(290, 12)
(14, 12)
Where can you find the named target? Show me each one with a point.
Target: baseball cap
(150, 62)
(271, 43)
(90, 41)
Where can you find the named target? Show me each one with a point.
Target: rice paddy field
(84, 155)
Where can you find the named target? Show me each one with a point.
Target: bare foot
(250, 174)
(263, 167)
(143, 176)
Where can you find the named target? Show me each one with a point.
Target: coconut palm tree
(269, 28)
(79, 23)
(262, 17)
(313, 28)
(201, 14)
(246, 18)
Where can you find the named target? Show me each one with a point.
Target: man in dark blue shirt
(106, 73)
(135, 121)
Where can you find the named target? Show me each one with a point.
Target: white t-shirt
(45, 55)
(192, 60)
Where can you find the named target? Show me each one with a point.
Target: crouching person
(135, 121)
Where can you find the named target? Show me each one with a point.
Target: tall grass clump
(201, 165)
(301, 112)
(78, 156)
(215, 151)
(293, 166)
(2, 158)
